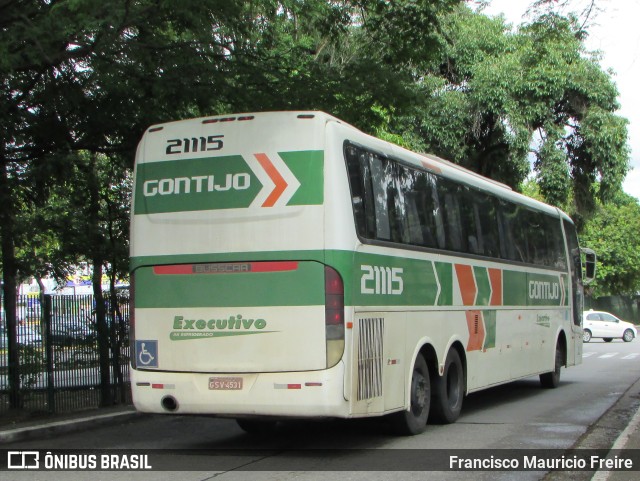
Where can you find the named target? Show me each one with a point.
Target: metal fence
(59, 361)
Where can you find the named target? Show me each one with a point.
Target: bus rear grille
(370, 358)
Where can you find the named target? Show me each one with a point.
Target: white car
(606, 326)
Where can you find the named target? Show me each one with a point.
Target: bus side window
(357, 181)
(533, 236)
(420, 217)
(359, 172)
(575, 267)
(379, 181)
(557, 254)
(468, 220)
(416, 233)
(487, 212)
(437, 213)
(456, 240)
(514, 249)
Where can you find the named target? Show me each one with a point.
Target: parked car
(606, 326)
(26, 337)
(71, 332)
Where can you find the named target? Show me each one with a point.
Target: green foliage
(82, 79)
(613, 233)
(31, 365)
(531, 189)
(500, 102)
(553, 172)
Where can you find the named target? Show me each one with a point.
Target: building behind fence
(59, 366)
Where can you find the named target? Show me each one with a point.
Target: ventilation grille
(370, 358)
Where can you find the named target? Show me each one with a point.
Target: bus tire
(551, 380)
(257, 427)
(414, 420)
(448, 391)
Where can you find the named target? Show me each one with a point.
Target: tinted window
(396, 203)
(575, 268)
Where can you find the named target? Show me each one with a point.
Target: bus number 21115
(381, 280)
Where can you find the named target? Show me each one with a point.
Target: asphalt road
(519, 415)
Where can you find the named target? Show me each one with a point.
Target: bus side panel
(378, 370)
(507, 320)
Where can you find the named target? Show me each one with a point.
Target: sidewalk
(37, 428)
(628, 439)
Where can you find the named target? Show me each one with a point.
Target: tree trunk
(106, 394)
(9, 276)
(97, 259)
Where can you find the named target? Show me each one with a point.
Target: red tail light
(334, 302)
(333, 315)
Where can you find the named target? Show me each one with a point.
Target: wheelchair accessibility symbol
(147, 353)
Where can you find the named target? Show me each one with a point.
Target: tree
(82, 79)
(496, 100)
(613, 234)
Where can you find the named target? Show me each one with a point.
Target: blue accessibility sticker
(147, 353)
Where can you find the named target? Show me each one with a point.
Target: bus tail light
(132, 320)
(333, 315)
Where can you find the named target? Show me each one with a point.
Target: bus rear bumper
(282, 394)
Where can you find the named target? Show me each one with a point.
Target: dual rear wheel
(434, 398)
(438, 399)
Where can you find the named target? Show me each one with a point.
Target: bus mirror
(589, 263)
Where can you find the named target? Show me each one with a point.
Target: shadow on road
(368, 433)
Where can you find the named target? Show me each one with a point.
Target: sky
(614, 32)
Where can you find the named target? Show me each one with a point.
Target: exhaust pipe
(169, 403)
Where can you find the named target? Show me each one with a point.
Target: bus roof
(426, 161)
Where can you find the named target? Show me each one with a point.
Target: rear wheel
(414, 421)
(586, 335)
(628, 335)
(551, 379)
(448, 391)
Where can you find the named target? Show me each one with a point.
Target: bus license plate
(225, 383)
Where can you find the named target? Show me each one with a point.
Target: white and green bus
(288, 265)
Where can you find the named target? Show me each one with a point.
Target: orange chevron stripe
(475, 325)
(467, 284)
(280, 184)
(495, 278)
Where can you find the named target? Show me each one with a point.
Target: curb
(66, 426)
(613, 430)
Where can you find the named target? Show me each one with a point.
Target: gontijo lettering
(544, 290)
(197, 183)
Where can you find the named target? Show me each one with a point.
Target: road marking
(608, 355)
(631, 356)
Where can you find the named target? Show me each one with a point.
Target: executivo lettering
(184, 328)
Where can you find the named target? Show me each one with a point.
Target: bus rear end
(236, 311)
